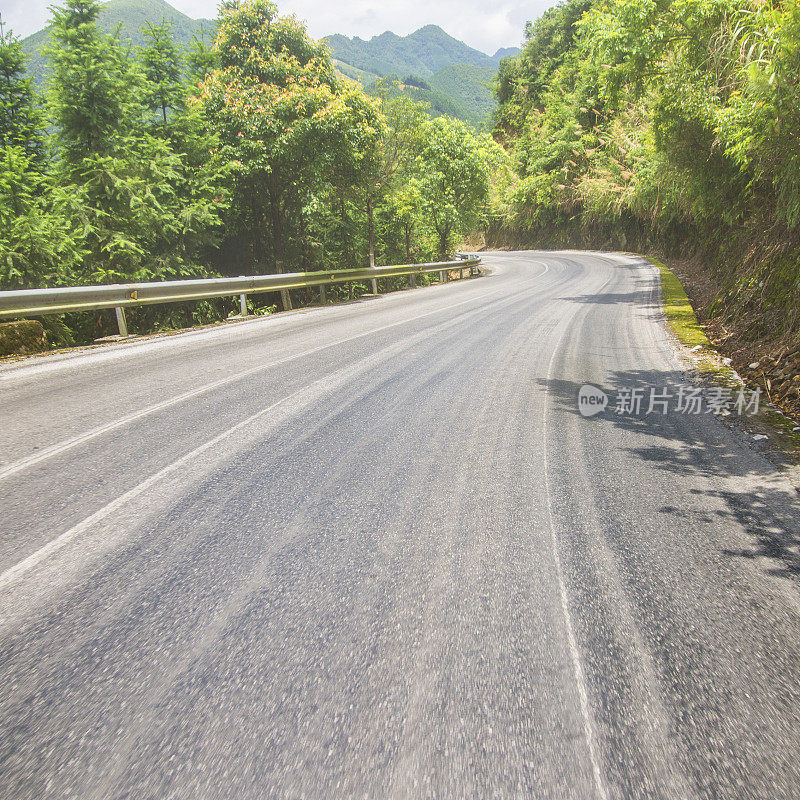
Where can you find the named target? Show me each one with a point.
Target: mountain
(422, 53)
(505, 52)
(429, 65)
(128, 16)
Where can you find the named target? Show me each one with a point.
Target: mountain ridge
(457, 75)
(128, 16)
(422, 52)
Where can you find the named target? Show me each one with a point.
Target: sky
(484, 25)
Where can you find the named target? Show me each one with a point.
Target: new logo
(591, 400)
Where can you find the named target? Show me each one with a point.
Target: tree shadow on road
(712, 454)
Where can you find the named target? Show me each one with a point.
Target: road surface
(374, 551)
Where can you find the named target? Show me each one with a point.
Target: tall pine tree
(20, 115)
(93, 87)
(163, 65)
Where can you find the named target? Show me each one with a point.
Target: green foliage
(453, 179)
(669, 123)
(40, 245)
(461, 91)
(454, 75)
(760, 120)
(248, 153)
(115, 201)
(523, 81)
(163, 67)
(285, 119)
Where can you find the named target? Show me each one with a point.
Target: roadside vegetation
(245, 154)
(668, 128)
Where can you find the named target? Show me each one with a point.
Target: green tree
(454, 180)
(404, 208)
(396, 153)
(283, 117)
(200, 57)
(522, 82)
(94, 92)
(20, 116)
(40, 244)
(146, 206)
(163, 66)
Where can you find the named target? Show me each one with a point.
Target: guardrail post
(322, 294)
(412, 280)
(443, 276)
(121, 322)
(286, 298)
(374, 286)
(243, 304)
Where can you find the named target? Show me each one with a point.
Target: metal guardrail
(119, 296)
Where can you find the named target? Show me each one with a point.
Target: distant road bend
(374, 551)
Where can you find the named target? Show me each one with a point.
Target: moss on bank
(684, 326)
(678, 310)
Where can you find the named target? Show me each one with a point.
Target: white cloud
(24, 17)
(480, 24)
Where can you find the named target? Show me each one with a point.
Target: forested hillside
(470, 87)
(429, 66)
(459, 90)
(668, 127)
(420, 91)
(254, 156)
(129, 17)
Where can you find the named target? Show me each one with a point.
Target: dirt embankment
(761, 348)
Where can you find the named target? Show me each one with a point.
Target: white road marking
(580, 680)
(24, 566)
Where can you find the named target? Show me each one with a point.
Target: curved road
(374, 551)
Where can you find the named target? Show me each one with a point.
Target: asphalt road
(374, 551)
